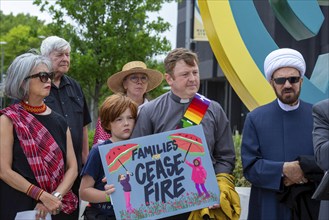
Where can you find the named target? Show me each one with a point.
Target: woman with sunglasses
(37, 161)
(135, 81)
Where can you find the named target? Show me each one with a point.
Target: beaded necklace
(34, 109)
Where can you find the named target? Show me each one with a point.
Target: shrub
(240, 180)
(91, 133)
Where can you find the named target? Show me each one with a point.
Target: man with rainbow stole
(182, 107)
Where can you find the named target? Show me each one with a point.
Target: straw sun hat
(115, 82)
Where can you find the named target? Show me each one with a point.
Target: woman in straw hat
(135, 80)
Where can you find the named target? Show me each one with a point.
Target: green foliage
(104, 35)
(10, 21)
(21, 33)
(159, 90)
(91, 134)
(240, 180)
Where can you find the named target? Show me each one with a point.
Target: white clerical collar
(178, 99)
(286, 107)
(184, 101)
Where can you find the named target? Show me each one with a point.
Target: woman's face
(38, 89)
(135, 85)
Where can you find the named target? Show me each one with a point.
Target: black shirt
(69, 101)
(12, 200)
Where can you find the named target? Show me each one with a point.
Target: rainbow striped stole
(195, 111)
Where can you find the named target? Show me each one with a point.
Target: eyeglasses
(135, 78)
(282, 80)
(43, 76)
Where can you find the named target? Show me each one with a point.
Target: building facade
(214, 84)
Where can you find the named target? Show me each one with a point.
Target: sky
(168, 13)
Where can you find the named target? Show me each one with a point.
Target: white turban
(284, 57)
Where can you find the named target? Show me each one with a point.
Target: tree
(104, 35)
(21, 33)
(10, 21)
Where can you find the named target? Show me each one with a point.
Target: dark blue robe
(272, 136)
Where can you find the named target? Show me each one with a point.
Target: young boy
(117, 115)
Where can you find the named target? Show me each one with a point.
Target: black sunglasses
(282, 80)
(43, 76)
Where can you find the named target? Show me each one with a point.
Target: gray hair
(15, 85)
(54, 43)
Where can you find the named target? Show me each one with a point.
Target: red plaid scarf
(42, 153)
(100, 134)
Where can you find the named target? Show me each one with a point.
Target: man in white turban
(274, 136)
(285, 57)
(285, 69)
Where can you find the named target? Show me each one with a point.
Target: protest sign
(160, 175)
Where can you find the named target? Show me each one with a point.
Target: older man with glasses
(277, 145)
